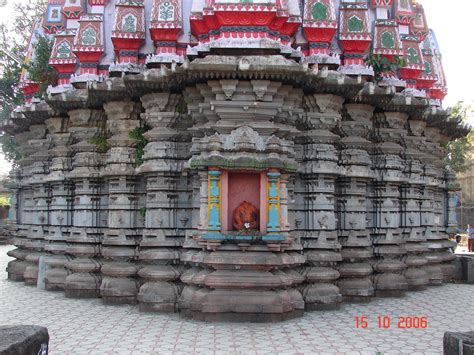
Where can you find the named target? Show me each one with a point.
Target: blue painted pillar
(214, 203)
(273, 203)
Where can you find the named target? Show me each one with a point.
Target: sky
(452, 23)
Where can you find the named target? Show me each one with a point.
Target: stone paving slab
(89, 327)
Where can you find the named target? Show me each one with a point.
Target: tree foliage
(381, 64)
(14, 38)
(460, 150)
(138, 135)
(26, 13)
(101, 143)
(10, 95)
(39, 70)
(5, 201)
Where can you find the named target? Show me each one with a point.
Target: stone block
(16, 270)
(458, 268)
(468, 269)
(82, 285)
(458, 343)
(321, 296)
(159, 297)
(119, 290)
(24, 340)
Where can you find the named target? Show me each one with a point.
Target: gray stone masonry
(124, 190)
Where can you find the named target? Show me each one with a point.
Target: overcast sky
(452, 23)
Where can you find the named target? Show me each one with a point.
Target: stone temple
(235, 160)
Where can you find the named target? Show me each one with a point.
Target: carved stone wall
(122, 191)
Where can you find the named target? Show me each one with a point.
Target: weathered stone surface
(321, 296)
(236, 181)
(159, 296)
(250, 305)
(464, 268)
(458, 343)
(23, 340)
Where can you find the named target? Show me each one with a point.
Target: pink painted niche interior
(240, 186)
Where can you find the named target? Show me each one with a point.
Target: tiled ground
(87, 326)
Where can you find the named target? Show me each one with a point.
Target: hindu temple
(235, 159)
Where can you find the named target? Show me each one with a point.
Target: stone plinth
(257, 285)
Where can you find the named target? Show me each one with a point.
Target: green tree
(4, 201)
(10, 95)
(14, 38)
(26, 13)
(381, 64)
(460, 150)
(39, 70)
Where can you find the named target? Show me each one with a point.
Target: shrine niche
(243, 202)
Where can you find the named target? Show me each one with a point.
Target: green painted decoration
(412, 56)
(388, 40)
(426, 43)
(89, 37)
(355, 24)
(428, 70)
(166, 11)
(64, 50)
(419, 20)
(319, 12)
(129, 23)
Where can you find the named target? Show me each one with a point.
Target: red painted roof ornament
(73, 9)
(319, 28)
(419, 26)
(428, 77)
(413, 59)
(439, 89)
(28, 87)
(166, 24)
(89, 43)
(386, 39)
(54, 20)
(404, 12)
(128, 33)
(62, 57)
(354, 32)
(246, 24)
(288, 19)
(98, 2)
(382, 3)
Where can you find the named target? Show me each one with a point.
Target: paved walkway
(88, 327)
(463, 250)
